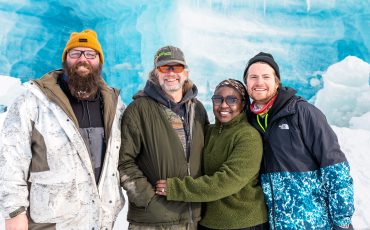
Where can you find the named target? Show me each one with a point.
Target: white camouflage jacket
(45, 166)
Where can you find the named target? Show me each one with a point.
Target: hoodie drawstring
(263, 127)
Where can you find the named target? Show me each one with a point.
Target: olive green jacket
(230, 186)
(151, 150)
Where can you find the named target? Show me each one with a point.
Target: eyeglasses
(169, 68)
(230, 100)
(89, 54)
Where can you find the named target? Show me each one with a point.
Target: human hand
(349, 227)
(19, 222)
(161, 187)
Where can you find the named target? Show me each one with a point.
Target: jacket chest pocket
(53, 200)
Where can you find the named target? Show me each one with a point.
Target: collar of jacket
(49, 86)
(154, 91)
(284, 105)
(231, 123)
(284, 96)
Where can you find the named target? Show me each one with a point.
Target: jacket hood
(155, 92)
(48, 84)
(50, 81)
(283, 97)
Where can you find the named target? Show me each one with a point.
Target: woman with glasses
(232, 157)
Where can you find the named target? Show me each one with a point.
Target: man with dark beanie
(60, 145)
(162, 137)
(304, 174)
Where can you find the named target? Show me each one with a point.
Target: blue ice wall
(217, 36)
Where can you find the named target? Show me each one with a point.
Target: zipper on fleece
(220, 129)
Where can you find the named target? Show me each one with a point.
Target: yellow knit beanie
(86, 38)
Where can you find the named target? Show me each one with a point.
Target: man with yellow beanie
(59, 146)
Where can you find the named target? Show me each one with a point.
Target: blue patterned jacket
(304, 174)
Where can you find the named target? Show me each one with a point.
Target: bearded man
(162, 136)
(59, 146)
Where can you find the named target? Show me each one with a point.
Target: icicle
(308, 3)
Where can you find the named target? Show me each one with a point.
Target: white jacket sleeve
(15, 154)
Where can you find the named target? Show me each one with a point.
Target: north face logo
(284, 126)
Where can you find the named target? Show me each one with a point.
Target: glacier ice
(217, 37)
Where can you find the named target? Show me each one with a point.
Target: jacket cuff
(17, 212)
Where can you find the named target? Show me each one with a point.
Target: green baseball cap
(169, 55)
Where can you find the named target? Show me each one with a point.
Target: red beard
(83, 87)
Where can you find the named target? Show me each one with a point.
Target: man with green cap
(60, 145)
(162, 137)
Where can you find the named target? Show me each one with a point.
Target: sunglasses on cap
(169, 68)
(230, 100)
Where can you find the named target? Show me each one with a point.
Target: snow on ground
(355, 143)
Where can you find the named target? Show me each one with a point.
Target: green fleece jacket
(230, 186)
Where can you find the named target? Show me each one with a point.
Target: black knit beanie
(264, 57)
